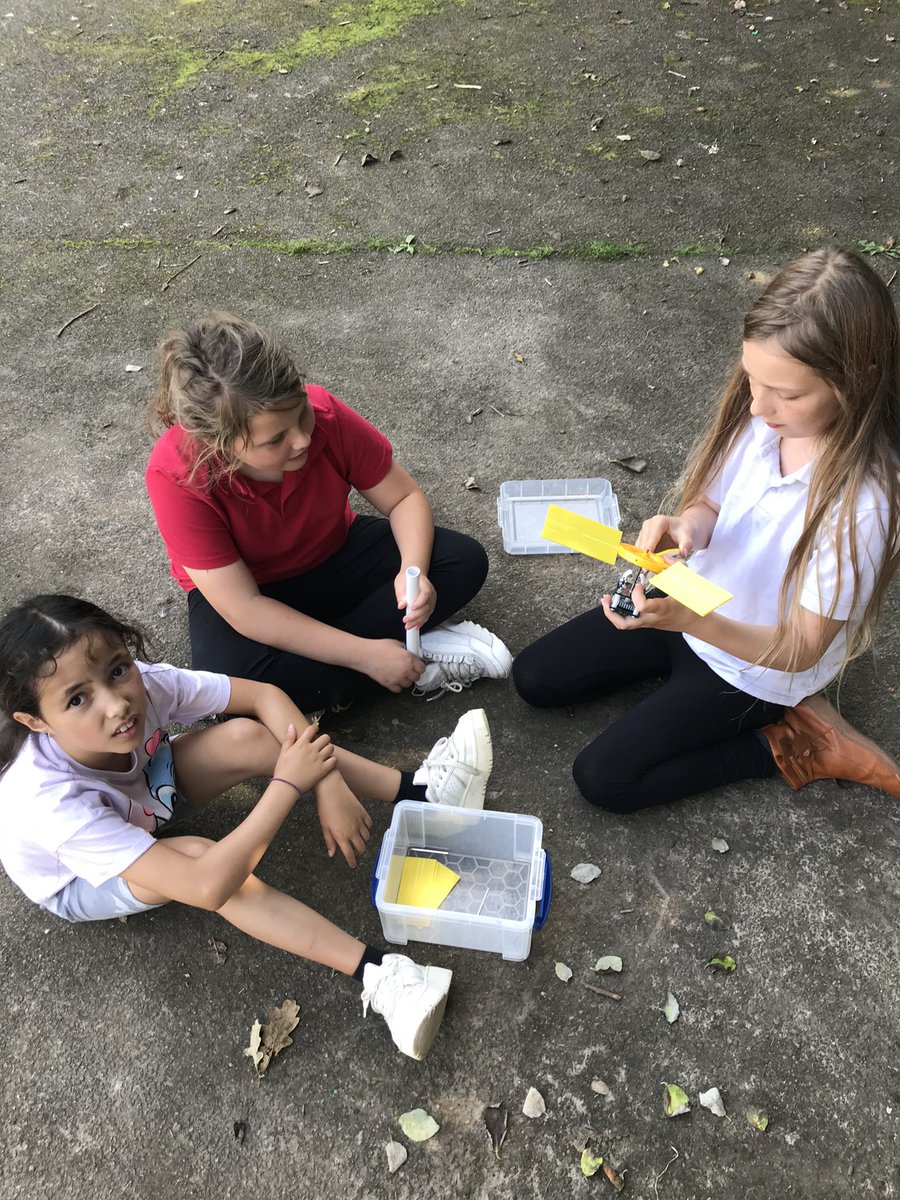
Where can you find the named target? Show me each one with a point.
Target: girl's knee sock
(370, 955)
(409, 790)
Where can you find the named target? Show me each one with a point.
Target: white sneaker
(457, 770)
(410, 998)
(457, 655)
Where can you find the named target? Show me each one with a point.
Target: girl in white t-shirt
(91, 777)
(792, 503)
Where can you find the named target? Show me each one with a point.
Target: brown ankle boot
(813, 741)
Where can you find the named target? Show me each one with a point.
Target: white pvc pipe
(413, 643)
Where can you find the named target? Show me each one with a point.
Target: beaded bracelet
(278, 779)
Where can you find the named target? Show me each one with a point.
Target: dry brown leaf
(218, 951)
(269, 1039)
(496, 1118)
(613, 1176)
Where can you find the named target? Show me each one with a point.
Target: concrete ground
(564, 300)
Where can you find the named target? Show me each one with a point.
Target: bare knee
(189, 844)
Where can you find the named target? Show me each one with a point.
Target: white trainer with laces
(410, 998)
(457, 770)
(456, 655)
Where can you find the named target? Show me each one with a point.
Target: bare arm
(691, 530)
(345, 823)
(813, 633)
(399, 498)
(208, 881)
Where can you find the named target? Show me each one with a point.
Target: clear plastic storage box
(505, 883)
(523, 503)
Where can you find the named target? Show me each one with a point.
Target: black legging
(693, 733)
(353, 591)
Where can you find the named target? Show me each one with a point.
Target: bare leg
(273, 917)
(210, 761)
(368, 779)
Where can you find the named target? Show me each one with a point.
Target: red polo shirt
(278, 529)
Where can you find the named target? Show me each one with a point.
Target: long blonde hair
(832, 312)
(217, 374)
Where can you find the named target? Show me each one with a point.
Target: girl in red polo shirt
(286, 584)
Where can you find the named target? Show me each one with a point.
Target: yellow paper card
(581, 533)
(425, 883)
(696, 593)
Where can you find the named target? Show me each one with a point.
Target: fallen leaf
(631, 462)
(240, 1131)
(563, 972)
(650, 155)
(253, 1051)
(609, 962)
(396, 1156)
(585, 873)
(534, 1105)
(590, 1162)
(699, 271)
(395, 155)
(675, 1100)
(471, 485)
(713, 1101)
(614, 1177)
(418, 1125)
(757, 1118)
(672, 1009)
(218, 950)
(713, 920)
(582, 1136)
(722, 963)
(368, 159)
(269, 1039)
(496, 1117)
(313, 189)
(601, 1088)
(719, 844)
(518, 357)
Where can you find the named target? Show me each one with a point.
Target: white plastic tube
(413, 644)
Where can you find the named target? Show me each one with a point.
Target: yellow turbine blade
(698, 594)
(581, 533)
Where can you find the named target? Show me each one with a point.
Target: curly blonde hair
(217, 374)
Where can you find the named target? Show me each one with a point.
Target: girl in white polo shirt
(792, 503)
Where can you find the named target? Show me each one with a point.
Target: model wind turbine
(605, 543)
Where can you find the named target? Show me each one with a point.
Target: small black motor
(621, 602)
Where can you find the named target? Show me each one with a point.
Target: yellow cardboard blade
(581, 533)
(425, 883)
(696, 593)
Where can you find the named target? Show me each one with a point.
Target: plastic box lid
(522, 509)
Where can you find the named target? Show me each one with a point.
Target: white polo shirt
(760, 520)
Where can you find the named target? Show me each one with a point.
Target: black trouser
(353, 591)
(693, 733)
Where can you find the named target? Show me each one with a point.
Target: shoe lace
(388, 987)
(444, 759)
(457, 675)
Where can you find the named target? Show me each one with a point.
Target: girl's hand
(307, 759)
(345, 823)
(675, 533)
(663, 613)
(390, 664)
(423, 605)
